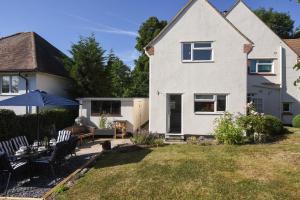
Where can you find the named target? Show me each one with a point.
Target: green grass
(270, 171)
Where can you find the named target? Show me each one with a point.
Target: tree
(140, 75)
(280, 23)
(297, 33)
(87, 69)
(118, 75)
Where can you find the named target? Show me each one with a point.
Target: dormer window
(197, 52)
(261, 66)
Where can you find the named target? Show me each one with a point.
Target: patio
(41, 182)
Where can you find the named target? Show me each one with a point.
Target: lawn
(269, 171)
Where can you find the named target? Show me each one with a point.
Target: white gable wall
(227, 74)
(267, 45)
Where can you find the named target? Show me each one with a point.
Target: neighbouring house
(28, 62)
(206, 62)
(135, 111)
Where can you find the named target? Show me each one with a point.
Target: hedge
(12, 125)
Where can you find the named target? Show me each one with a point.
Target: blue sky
(114, 22)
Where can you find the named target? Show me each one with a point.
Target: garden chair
(10, 168)
(56, 158)
(7, 147)
(19, 142)
(72, 143)
(63, 135)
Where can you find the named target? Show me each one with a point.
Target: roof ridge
(12, 35)
(281, 39)
(188, 4)
(34, 57)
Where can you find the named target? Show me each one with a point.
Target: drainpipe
(27, 87)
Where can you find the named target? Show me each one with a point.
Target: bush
(227, 131)
(272, 126)
(146, 138)
(296, 121)
(12, 125)
(9, 125)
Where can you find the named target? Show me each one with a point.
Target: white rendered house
(205, 63)
(28, 62)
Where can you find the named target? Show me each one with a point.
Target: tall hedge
(13, 125)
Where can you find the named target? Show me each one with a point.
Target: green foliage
(146, 138)
(87, 69)
(12, 125)
(102, 122)
(280, 23)
(297, 33)
(273, 126)
(227, 131)
(296, 121)
(9, 125)
(118, 76)
(140, 75)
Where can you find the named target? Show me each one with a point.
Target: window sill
(209, 113)
(9, 94)
(287, 113)
(262, 74)
(198, 61)
(98, 115)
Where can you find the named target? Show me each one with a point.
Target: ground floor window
(9, 84)
(257, 102)
(105, 107)
(286, 107)
(210, 103)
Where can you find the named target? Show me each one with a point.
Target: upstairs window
(105, 108)
(197, 51)
(261, 66)
(9, 84)
(210, 103)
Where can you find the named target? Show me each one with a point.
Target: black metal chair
(72, 142)
(56, 158)
(10, 168)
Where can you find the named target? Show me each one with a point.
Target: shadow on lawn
(122, 156)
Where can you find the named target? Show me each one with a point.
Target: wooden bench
(83, 132)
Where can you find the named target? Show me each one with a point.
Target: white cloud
(98, 27)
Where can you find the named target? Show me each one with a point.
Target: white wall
(19, 110)
(227, 74)
(134, 111)
(268, 45)
(52, 84)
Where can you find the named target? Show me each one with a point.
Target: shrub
(12, 125)
(146, 138)
(227, 131)
(272, 126)
(9, 125)
(296, 121)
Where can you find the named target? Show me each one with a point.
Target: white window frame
(215, 100)
(10, 85)
(260, 62)
(197, 48)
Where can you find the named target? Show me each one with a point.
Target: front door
(174, 113)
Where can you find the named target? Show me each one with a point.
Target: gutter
(27, 87)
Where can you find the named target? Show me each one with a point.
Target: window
(261, 66)
(105, 107)
(10, 84)
(210, 103)
(198, 51)
(286, 107)
(257, 102)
